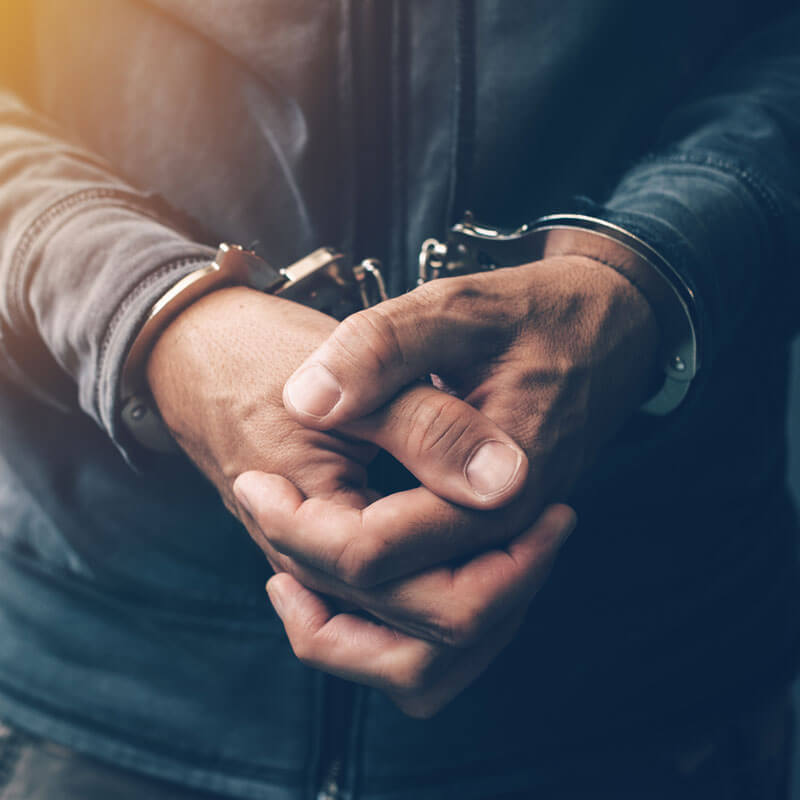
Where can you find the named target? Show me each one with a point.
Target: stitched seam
(87, 197)
(757, 186)
(129, 299)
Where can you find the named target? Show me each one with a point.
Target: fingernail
(492, 468)
(313, 391)
(244, 489)
(274, 594)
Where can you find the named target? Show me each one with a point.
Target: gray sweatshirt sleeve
(83, 257)
(721, 197)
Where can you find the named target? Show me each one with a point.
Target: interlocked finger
(452, 448)
(419, 676)
(395, 536)
(455, 605)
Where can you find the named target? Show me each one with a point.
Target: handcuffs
(320, 280)
(323, 280)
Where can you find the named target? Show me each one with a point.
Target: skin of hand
(557, 352)
(478, 607)
(217, 374)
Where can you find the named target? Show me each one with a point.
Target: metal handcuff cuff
(322, 281)
(474, 248)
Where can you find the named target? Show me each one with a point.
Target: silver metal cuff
(664, 287)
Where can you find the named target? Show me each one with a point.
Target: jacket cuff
(714, 222)
(122, 330)
(84, 277)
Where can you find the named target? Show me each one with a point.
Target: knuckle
(438, 425)
(461, 294)
(462, 625)
(417, 707)
(416, 673)
(412, 678)
(370, 335)
(310, 642)
(433, 294)
(303, 649)
(463, 290)
(357, 562)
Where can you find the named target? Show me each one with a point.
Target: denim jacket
(133, 621)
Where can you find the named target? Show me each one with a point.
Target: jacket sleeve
(83, 257)
(721, 197)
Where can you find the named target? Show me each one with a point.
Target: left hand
(425, 638)
(558, 353)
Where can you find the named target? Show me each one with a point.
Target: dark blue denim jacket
(133, 622)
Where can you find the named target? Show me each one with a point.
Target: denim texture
(742, 758)
(133, 621)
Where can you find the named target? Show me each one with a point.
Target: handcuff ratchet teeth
(471, 248)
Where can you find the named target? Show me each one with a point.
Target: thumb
(368, 358)
(452, 448)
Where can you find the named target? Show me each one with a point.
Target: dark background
(794, 477)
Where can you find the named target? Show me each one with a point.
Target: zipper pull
(330, 786)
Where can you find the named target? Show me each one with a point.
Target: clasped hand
(415, 592)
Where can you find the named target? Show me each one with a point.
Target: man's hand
(448, 623)
(558, 353)
(217, 373)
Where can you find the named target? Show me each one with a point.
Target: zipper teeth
(399, 129)
(330, 786)
(463, 110)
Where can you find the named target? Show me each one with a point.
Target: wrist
(226, 353)
(472, 247)
(189, 340)
(614, 265)
(602, 323)
(657, 283)
(318, 280)
(633, 320)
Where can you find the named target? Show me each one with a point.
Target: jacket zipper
(337, 735)
(373, 47)
(371, 36)
(372, 50)
(331, 789)
(463, 111)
